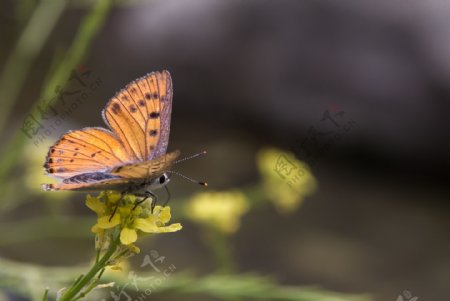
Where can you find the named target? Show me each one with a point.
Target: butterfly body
(131, 157)
(103, 181)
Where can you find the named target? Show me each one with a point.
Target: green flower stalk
(119, 224)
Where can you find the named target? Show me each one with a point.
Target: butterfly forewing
(165, 99)
(135, 113)
(148, 94)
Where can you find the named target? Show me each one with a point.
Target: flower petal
(164, 215)
(96, 229)
(95, 205)
(171, 228)
(125, 211)
(146, 225)
(104, 222)
(130, 198)
(128, 236)
(157, 209)
(113, 196)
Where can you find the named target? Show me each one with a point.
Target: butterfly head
(158, 182)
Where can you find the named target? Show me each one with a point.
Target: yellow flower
(112, 196)
(154, 223)
(287, 181)
(221, 210)
(95, 205)
(108, 222)
(127, 218)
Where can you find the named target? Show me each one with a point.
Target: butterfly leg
(146, 195)
(168, 196)
(154, 200)
(117, 205)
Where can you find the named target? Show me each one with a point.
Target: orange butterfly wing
(115, 178)
(146, 169)
(140, 113)
(108, 184)
(85, 150)
(139, 116)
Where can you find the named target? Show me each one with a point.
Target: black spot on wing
(115, 108)
(93, 154)
(153, 115)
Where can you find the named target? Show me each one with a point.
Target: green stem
(221, 250)
(72, 292)
(44, 297)
(97, 256)
(90, 287)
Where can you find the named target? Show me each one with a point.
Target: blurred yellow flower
(127, 218)
(287, 181)
(221, 210)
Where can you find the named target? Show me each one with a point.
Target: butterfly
(131, 155)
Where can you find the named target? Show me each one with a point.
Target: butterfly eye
(162, 179)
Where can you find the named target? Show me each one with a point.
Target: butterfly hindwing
(107, 184)
(88, 149)
(147, 169)
(117, 178)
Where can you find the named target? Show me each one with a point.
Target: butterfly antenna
(190, 157)
(187, 178)
(168, 196)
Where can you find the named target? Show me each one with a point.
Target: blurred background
(326, 125)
